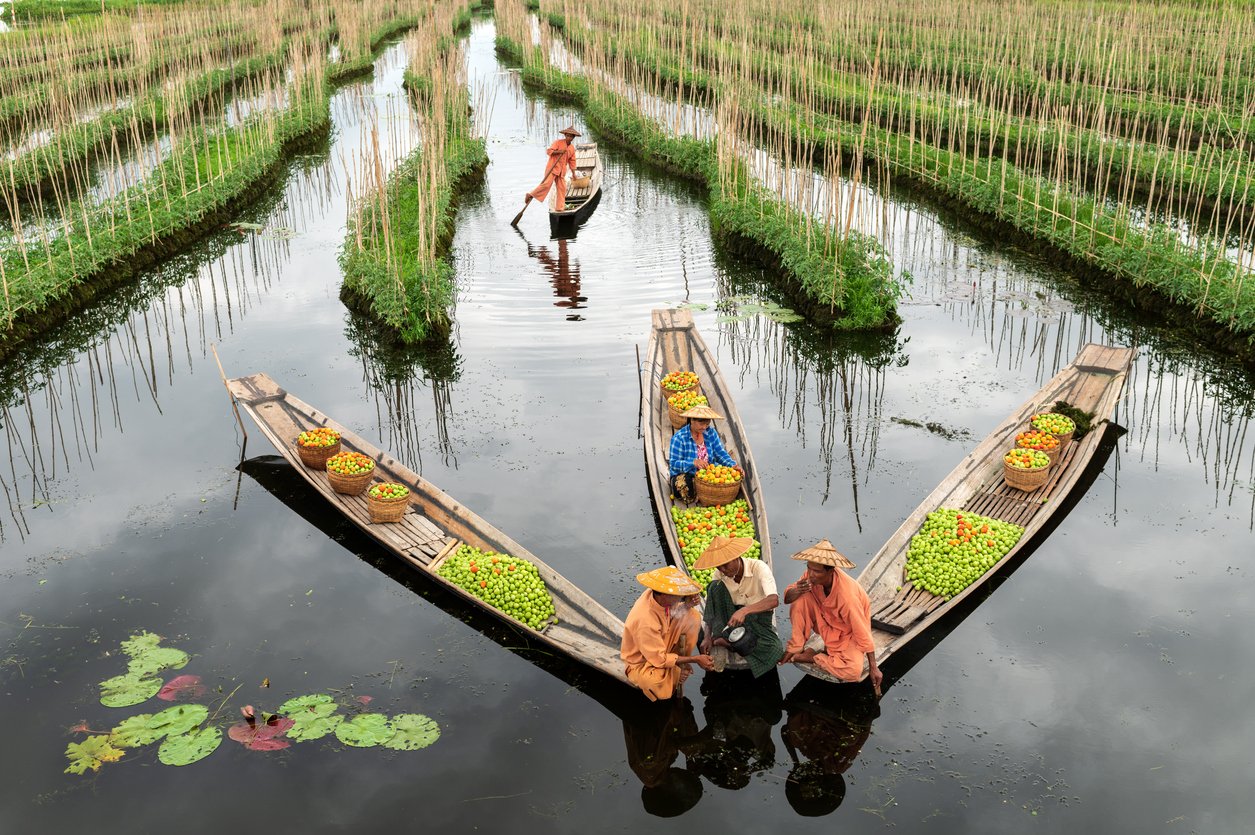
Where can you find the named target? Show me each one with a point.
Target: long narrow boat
(675, 345)
(433, 527)
(580, 202)
(901, 612)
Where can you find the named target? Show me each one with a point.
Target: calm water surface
(1103, 687)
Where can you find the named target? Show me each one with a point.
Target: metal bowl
(740, 640)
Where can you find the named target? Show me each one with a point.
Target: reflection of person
(740, 712)
(694, 446)
(561, 156)
(564, 278)
(742, 593)
(832, 618)
(655, 735)
(660, 633)
(828, 724)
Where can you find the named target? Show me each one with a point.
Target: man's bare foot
(721, 642)
(806, 656)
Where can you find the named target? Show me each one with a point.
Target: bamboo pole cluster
(1123, 133)
(152, 122)
(400, 210)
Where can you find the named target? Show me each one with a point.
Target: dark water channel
(1103, 687)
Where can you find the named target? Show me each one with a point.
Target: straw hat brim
(702, 413)
(723, 550)
(669, 580)
(571, 131)
(824, 553)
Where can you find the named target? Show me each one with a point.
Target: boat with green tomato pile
(675, 345)
(434, 528)
(910, 587)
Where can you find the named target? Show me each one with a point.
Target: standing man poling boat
(832, 618)
(561, 158)
(743, 593)
(660, 633)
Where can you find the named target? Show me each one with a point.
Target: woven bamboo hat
(722, 550)
(669, 580)
(823, 553)
(702, 413)
(570, 131)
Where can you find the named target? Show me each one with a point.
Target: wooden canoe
(580, 202)
(675, 345)
(1092, 382)
(433, 526)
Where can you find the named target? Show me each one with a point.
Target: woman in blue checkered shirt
(694, 446)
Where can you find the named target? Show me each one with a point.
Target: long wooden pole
(227, 386)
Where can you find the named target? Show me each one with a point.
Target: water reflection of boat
(433, 526)
(675, 345)
(901, 612)
(826, 728)
(581, 201)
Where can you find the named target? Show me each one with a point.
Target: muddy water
(1101, 687)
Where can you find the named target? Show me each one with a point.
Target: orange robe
(842, 618)
(561, 156)
(652, 640)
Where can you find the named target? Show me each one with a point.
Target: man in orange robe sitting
(832, 618)
(561, 157)
(660, 634)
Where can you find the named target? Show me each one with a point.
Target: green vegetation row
(848, 279)
(211, 170)
(1046, 203)
(395, 257)
(1150, 259)
(387, 274)
(1038, 69)
(209, 173)
(1222, 179)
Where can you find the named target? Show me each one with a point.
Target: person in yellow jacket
(561, 159)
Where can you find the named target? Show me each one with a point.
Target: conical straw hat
(823, 553)
(669, 580)
(723, 549)
(702, 412)
(571, 131)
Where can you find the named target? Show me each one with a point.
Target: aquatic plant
(190, 732)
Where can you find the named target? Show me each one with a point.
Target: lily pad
(262, 736)
(157, 659)
(314, 716)
(127, 690)
(187, 748)
(182, 688)
(365, 731)
(141, 643)
(147, 728)
(413, 731)
(90, 753)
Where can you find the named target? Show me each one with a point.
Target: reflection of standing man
(561, 156)
(564, 278)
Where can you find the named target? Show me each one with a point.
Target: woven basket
(387, 510)
(350, 485)
(1053, 453)
(668, 392)
(1064, 440)
(316, 457)
(1026, 480)
(709, 495)
(674, 414)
